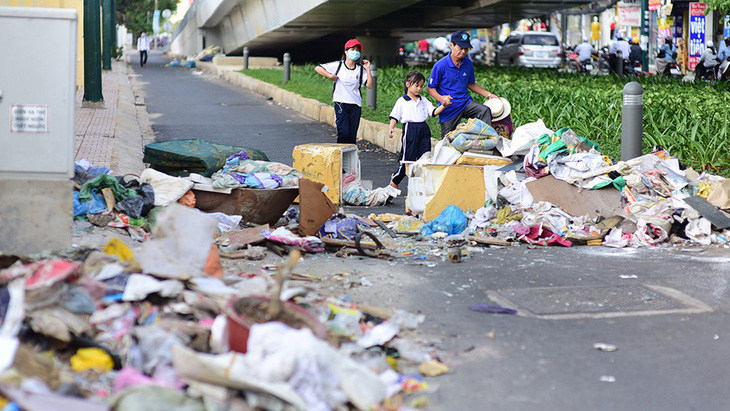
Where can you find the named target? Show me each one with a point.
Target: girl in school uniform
(348, 77)
(412, 110)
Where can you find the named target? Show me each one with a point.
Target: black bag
(661, 54)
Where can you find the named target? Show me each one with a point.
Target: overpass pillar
(381, 50)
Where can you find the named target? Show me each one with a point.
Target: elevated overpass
(312, 30)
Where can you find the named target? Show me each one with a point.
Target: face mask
(353, 55)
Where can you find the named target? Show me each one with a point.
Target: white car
(530, 49)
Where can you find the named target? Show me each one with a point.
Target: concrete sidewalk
(113, 136)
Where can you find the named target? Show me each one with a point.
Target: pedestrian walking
(143, 45)
(450, 81)
(348, 78)
(412, 110)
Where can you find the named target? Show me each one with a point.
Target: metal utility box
(37, 89)
(326, 164)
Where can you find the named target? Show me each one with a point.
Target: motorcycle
(673, 70)
(602, 61)
(574, 65)
(723, 72)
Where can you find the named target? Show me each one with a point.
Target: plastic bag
(139, 206)
(105, 181)
(524, 137)
(95, 205)
(339, 226)
(451, 221)
(167, 189)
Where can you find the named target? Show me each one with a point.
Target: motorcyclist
(724, 51)
(636, 52)
(619, 45)
(708, 62)
(667, 54)
(584, 50)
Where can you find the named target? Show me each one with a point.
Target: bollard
(632, 121)
(287, 64)
(372, 93)
(620, 63)
(245, 58)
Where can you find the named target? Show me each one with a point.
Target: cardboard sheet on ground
(574, 201)
(246, 236)
(719, 219)
(315, 208)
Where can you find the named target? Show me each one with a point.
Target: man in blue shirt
(451, 79)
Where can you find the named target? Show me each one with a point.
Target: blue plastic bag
(340, 227)
(451, 221)
(96, 205)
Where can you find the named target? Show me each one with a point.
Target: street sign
(697, 28)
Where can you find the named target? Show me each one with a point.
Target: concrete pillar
(382, 51)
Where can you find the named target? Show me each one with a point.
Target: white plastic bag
(524, 137)
(168, 189)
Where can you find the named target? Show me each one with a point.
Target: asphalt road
(186, 106)
(664, 361)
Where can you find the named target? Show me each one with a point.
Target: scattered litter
(605, 347)
(607, 378)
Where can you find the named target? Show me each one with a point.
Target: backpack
(339, 66)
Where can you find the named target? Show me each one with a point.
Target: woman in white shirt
(348, 77)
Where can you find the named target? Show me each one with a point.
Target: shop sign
(697, 28)
(629, 16)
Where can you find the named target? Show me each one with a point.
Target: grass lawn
(688, 119)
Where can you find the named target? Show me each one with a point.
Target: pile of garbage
(153, 329)
(166, 326)
(558, 189)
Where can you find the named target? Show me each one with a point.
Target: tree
(721, 6)
(137, 15)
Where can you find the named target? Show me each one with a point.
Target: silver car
(530, 49)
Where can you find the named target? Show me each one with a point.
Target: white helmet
(710, 43)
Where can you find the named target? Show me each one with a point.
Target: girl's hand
(390, 133)
(334, 77)
(366, 64)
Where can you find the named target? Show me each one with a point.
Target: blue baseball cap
(461, 39)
